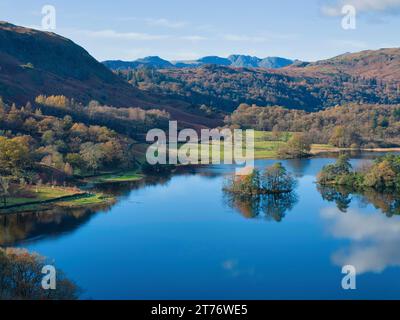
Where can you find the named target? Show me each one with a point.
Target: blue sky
(175, 29)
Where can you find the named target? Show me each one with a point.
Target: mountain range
(239, 61)
(197, 93)
(364, 77)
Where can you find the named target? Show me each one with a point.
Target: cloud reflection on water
(374, 239)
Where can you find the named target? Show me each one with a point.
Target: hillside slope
(383, 65)
(33, 62)
(365, 77)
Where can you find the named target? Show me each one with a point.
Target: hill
(366, 77)
(382, 65)
(224, 88)
(34, 62)
(153, 62)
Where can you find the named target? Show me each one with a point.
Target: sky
(308, 30)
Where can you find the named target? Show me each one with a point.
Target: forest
(345, 126)
(221, 88)
(55, 140)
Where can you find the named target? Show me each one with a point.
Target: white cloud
(156, 22)
(193, 38)
(374, 6)
(112, 34)
(162, 22)
(244, 38)
(186, 55)
(374, 239)
(232, 266)
(134, 36)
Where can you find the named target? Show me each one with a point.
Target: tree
(344, 137)
(381, 176)
(68, 169)
(245, 185)
(48, 137)
(15, 155)
(28, 107)
(30, 125)
(396, 113)
(298, 146)
(92, 155)
(384, 122)
(21, 277)
(338, 137)
(75, 160)
(333, 172)
(4, 189)
(276, 179)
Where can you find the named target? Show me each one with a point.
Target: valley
(76, 186)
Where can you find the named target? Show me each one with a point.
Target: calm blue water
(181, 239)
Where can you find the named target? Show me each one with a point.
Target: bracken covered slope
(33, 62)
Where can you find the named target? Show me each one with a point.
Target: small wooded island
(273, 180)
(382, 175)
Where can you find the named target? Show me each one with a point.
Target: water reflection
(271, 207)
(163, 222)
(122, 190)
(298, 167)
(374, 239)
(27, 226)
(340, 195)
(387, 202)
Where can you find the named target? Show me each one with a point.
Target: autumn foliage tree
(273, 180)
(298, 146)
(21, 277)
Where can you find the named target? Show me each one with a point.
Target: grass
(89, 200)
(266, 145)
(35, 198)
(127, 176)
(42, 193)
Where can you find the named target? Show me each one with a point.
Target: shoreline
(316, 150)
(82, 198)
(42, 197)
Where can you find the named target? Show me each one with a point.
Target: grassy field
(266, 145)
(128, 176)
(42, 193)
(92, 199)
(125, 177)
(35, 197)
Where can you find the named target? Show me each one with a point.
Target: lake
(181, 238)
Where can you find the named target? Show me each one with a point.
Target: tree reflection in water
(388, 202)
(340, 195)
(21, 227)
(271, 206)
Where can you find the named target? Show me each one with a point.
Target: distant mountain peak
(149, 62)
(215, 60)
(235, 60)
(244, 61)
(154, 60)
